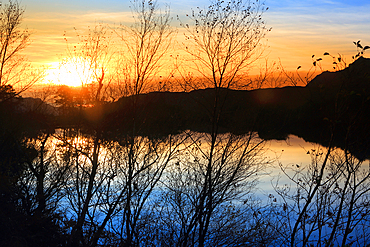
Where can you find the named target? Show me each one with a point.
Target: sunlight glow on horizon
(68, 74)
(299, 28)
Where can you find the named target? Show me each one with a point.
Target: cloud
(302, 29)
(48, 28)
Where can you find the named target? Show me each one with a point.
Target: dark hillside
(333, 102)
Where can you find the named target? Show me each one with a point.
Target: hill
(332, 104)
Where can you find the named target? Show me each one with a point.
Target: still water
(290, 152)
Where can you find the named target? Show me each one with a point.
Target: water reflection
(139, 180)
(290, 152)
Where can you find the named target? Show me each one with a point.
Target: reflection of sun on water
(69, 74)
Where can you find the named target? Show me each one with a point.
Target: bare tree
(311, 186)
(221, 41)
(220, 167)
(145, 45)
(92, 59)
(113, 180)
(224, 40)
(142, 160)
(15, 71)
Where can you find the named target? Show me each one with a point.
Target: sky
(300, 28)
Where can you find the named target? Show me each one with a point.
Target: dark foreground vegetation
(148, 187)
(131, 164)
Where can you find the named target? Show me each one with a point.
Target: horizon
(299, 30)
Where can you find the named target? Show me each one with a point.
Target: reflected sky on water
(291, 152)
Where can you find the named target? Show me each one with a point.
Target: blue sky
(299, 28)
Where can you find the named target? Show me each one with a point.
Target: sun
(69, 73)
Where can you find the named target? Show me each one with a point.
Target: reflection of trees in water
(165, 188)
(116, 179)
(325, 202)
(197, 195)
(132, 175)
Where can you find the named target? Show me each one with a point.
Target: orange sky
(299, 28)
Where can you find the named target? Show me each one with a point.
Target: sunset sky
(300, 28)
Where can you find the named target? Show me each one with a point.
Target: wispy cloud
(48, 29)
(300, 27)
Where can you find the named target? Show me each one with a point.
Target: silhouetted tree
(219, 168)
(15, 71)
(92, 59)
(330, 198)
(114, 175)
(223, 40)
(142, 160)
(31, 179)
(146, 43)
